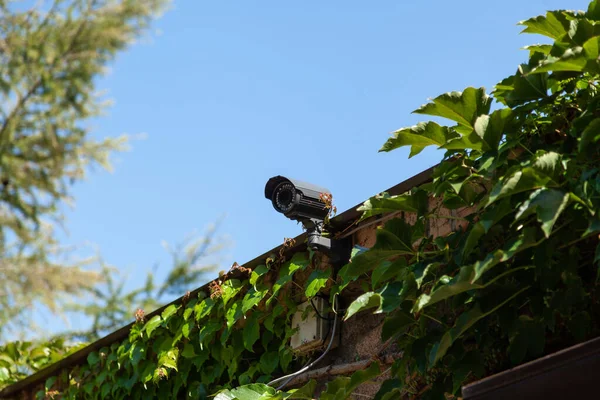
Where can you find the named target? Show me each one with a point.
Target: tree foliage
(50, 59)
(515, 280)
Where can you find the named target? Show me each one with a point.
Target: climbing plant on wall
(515, 280)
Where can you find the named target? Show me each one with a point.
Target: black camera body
(297, 200)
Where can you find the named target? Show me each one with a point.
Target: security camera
(303, 202)
(295, 199)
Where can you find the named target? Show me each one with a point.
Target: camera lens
(285, 195)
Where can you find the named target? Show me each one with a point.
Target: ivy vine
(515, 280)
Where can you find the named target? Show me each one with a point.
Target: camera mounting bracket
(338, 250)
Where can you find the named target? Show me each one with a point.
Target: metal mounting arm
(338, 250)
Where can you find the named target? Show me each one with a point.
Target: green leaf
(230, 288)
(391, 389)
(251, 332)
(463, 323)
(522, 87)
(529, 178)
(384, 203)
(169, 359)
(186, 329)
(93, 359)
(255, 391)
(269, 362)
(574, 60)
(4, 374)
(105, 390)
(286, 273)
(387, 270)
(363, 302)
(203, 308)
(462, 107)
(207, 331)
(316, 281)
(590, 136)
(257, 273)
(169, 311)
(152, 324)
(188, 351)
(306, 392)
(593, 11)
(137, 353)
(553, 25)
(538, 48)
(548, 204)
(490, 128)
(252, 298)
(418, 137)
(234, 313)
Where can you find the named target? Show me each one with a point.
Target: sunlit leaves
(461, 107)
(418, 137)
(152, 324)
(490, 128)
(553, 25)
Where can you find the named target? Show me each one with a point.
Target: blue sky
(232, 93)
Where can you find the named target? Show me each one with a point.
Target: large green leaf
(462, 107)
(316, 281)
(418, 137)
(363, 302)
(463, 323)
(522, 87)
(593, 11)
(230, 288)
(255, 391)
(252, 298)
(387, 299)
(269, 362)
(388, 270)
(528, 178)
(251, 332)
(553, 25)
(490, 128)
(152, 324)
(548, 204)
